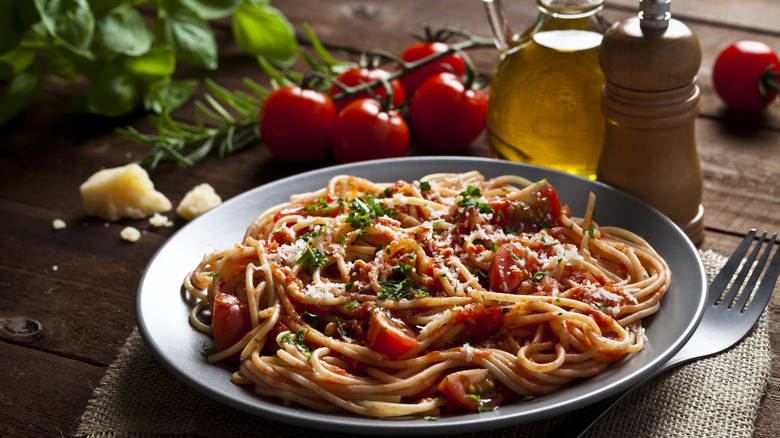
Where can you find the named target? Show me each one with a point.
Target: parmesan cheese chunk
(197, 201)
(130, 234)
(122, 192)
(58, 224)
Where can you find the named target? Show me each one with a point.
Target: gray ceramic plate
(162, 307)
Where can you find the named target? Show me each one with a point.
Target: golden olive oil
(545, 99)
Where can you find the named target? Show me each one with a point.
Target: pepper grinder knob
(650, 101)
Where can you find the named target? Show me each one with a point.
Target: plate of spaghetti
(421, 296)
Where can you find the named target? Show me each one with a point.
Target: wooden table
(79, 283)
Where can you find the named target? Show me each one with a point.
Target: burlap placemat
(713, 397)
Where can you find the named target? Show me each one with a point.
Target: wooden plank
(757, 15)
(43, 394)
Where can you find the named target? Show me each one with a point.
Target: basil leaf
(113, 92)
(170, 96)
(153, 67)
(61, 62)
(190, 36)
(71, 21)
(102, 7)
(124, 31)
(262, 30)
(211, 9)
(17, 60)
(19, 94)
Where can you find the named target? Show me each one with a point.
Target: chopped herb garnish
(401, 288)
(311, 259)
(353, 304)
(298, 342)
(430, 418)
(538, 276)
(471, 197)
(214, 274)
(208, 351)
(633, 330)
(342, 239)
(348, 287)
(425, 186)
(504, 311)
(311, 318)
(481, 404)
(599, 304)
(494, 246)
(362, 211)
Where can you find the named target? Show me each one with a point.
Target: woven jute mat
(713, 397)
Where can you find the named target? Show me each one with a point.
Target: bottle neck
(570, 8)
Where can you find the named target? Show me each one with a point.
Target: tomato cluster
(446, 114)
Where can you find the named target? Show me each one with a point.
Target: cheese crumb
(122, 192)
(130, 234)
(197, 201)
(58, 224)
(159, 220)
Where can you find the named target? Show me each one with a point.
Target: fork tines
(733, 298)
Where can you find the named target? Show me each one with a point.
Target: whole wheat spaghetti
(452, 291)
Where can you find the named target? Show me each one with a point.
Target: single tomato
(412, 80)
(538, 206)
(475, 390)
(509, 268)
(362, 75)
(296, 123)
(230, 321)
(746, 75)
(365, 131)
(445, 115)
(389, 335)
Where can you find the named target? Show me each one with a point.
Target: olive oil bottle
(545, 97)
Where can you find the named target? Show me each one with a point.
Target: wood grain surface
(79, 283)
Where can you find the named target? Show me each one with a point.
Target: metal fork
(727, 319)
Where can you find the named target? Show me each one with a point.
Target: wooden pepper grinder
(650, 102)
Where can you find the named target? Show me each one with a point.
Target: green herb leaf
(170, 96)
(19, 94)
(190, 36)
(155, 66)
(211, 9)
(311, 259)
(425, 186)
(70, 21)
(113, 92)
(123, 30)
(262, 30)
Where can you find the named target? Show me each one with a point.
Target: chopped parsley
(481, 404)
(311, 318)
(599, 304)
(298, 342)
(538, 276)
(363, 211)
(311, 259)
(425, 186)
(401, 288)
(214, 274)
(471, 198)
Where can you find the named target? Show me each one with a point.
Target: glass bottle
(545, 97)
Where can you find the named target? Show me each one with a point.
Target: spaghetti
(452, 291)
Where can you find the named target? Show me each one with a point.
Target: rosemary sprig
(225, 122)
